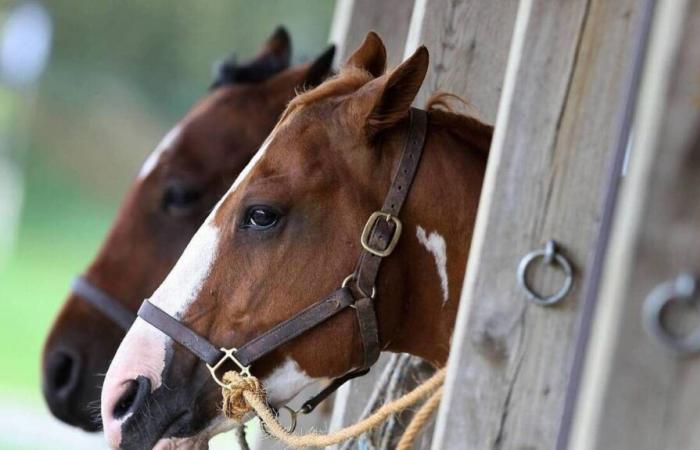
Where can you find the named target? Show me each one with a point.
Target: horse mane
(441, 114)
(348, 80)
(464, 127)
(229, 72)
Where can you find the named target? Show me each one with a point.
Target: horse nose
(62, 377)
(120, 403)
(133, 397)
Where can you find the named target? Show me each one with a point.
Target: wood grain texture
(468, 42)
(635, 393)
(389, 18)
(556, 123)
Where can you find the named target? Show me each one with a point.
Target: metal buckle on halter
(228, 354)
(364, 239)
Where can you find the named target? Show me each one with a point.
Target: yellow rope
(418, 421)
(245, 394)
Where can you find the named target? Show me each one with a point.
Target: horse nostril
(133, 397)
(63, 373)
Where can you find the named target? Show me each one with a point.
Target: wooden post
(354, 18)
(636, 393)
(468, 42)
(510, 358)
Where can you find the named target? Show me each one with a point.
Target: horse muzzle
(146, 398)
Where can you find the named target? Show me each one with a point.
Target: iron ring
(292, 416)
(551, 257)
(683, 289)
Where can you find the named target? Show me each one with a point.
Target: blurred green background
(119, 75)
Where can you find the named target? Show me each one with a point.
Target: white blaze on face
(143, 351)
(435, 244)
(152, 160)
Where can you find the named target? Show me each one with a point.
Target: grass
(60, 231)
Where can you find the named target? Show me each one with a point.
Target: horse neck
(438, 219)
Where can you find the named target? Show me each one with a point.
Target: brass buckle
(228, 354)
(364, 239)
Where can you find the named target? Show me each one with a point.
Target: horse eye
(261, 217)
(179, 200)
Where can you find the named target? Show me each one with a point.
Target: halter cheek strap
(379, 238)
(103, 302)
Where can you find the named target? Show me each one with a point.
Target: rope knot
(236, 405)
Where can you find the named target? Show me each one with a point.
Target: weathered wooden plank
(635, 393)
(354, 18)
(468, 42)
(510, 359)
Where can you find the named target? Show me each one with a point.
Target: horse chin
(182, 443)
(200, 441)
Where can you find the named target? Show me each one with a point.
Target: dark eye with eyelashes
(260, 217)
(180, 200)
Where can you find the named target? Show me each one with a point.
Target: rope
(419, 420)
(240, 437)
(245, 394)
(386, 389)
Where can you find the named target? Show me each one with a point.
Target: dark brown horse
(287, 233)
(176, 189)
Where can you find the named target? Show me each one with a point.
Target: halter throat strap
(379, 238)
(103, 302)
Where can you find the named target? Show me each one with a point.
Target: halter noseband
(379, 238)
(103, 302)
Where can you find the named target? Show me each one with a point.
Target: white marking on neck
(285, 382)
(165, 143)
(435, 244)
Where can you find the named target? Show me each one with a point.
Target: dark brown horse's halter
(103, 302)
(379, 238)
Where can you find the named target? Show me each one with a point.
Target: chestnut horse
(178, 186)
(287, 233)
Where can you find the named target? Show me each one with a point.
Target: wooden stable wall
(468, 43)
(637, 393)
(510, 360)
(354, 18)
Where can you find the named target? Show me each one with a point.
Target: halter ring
(364, 239)
(351, 277)
(292, 418)
(244, 370)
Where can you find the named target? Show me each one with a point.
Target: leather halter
(379, 238)
(103, 302)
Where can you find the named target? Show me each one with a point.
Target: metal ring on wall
(684, 290)
(550, 256)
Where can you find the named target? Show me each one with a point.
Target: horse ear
(320, 69)
(277, 48)
(272, 59)
(396, 92)
(370, 56)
